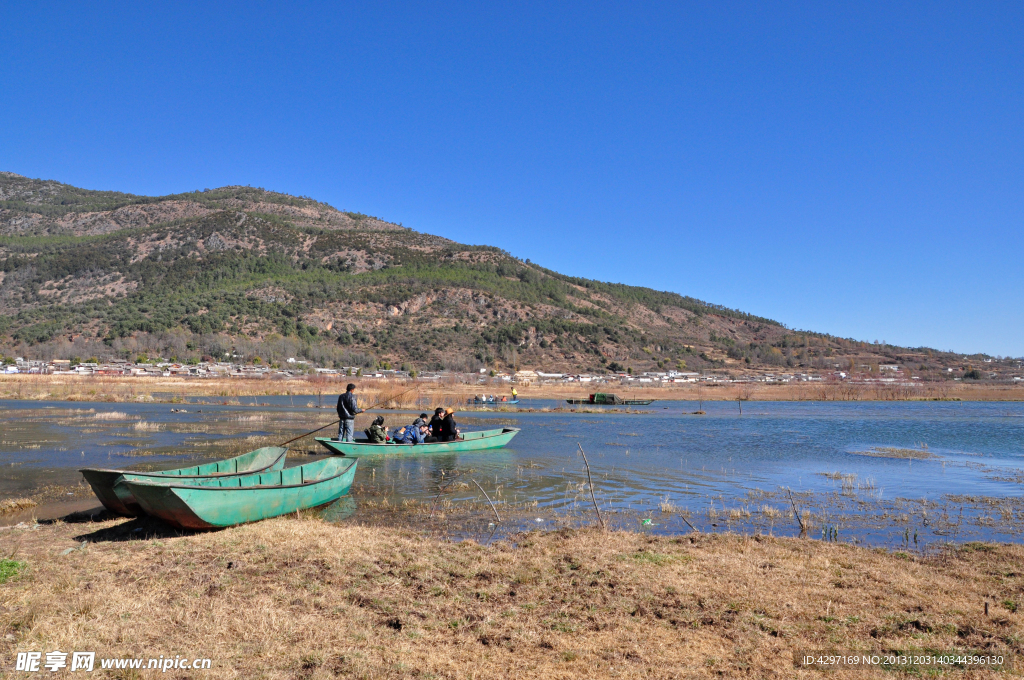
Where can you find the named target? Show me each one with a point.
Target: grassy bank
(413, 393)
(297, 597)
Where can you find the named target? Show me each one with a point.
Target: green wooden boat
(116, 497)
(471, 441)
(605, 399)
(211, 503)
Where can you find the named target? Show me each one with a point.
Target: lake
(661, 469)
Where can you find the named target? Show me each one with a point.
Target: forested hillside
(251, 272)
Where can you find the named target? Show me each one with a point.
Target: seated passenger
(411, 435)
(377, 433)
(449, 428)
(435, 423)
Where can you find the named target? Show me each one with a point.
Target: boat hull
(499, 402)
(116, 497)
(472, 441)
(219, 503)
(605, 399)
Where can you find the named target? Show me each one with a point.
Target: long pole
(590, 483)
(375, 405)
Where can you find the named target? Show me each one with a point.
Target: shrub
(10, 569)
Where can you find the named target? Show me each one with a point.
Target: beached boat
(118, 499)
(212, 503)
(470, 441)
(603, 399)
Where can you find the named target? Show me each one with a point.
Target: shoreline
(409, 392)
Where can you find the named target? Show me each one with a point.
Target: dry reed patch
(111, 415)
(895, 452)
(303, 598)
(14, 504)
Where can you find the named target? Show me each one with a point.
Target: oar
(375, 405)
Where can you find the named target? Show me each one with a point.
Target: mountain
(252, 272)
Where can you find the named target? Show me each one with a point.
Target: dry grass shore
(301, 598)
(410, 393)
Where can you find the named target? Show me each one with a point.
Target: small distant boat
(116, 497)
(480, 440)
(493, 401)
(605, 399)
(228, 501)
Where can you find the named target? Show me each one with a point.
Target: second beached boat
(225, 502)
(116, 497)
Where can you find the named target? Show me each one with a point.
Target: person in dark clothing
(435, 423)
(347, 410)
(449, 428)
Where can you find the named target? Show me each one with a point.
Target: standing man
(347, 410)
(515, 395)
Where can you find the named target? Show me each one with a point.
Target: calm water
(640, 461)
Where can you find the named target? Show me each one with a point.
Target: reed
(14, 504)
(454, 394)
(111, 415)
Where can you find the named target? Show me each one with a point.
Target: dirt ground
(298, 597)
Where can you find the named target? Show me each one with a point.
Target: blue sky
(854, 170)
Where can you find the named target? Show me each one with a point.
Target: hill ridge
(243, 270)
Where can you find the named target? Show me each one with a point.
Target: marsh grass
(14, 504)
(303, 598)
(452, 393)
(895, 452)
(111, 415)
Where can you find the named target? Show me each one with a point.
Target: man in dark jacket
(435, 423)
(449, 428)
(347, 410)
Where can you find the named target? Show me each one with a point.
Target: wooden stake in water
(496, 518)
(803, 529)
(590, 482)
